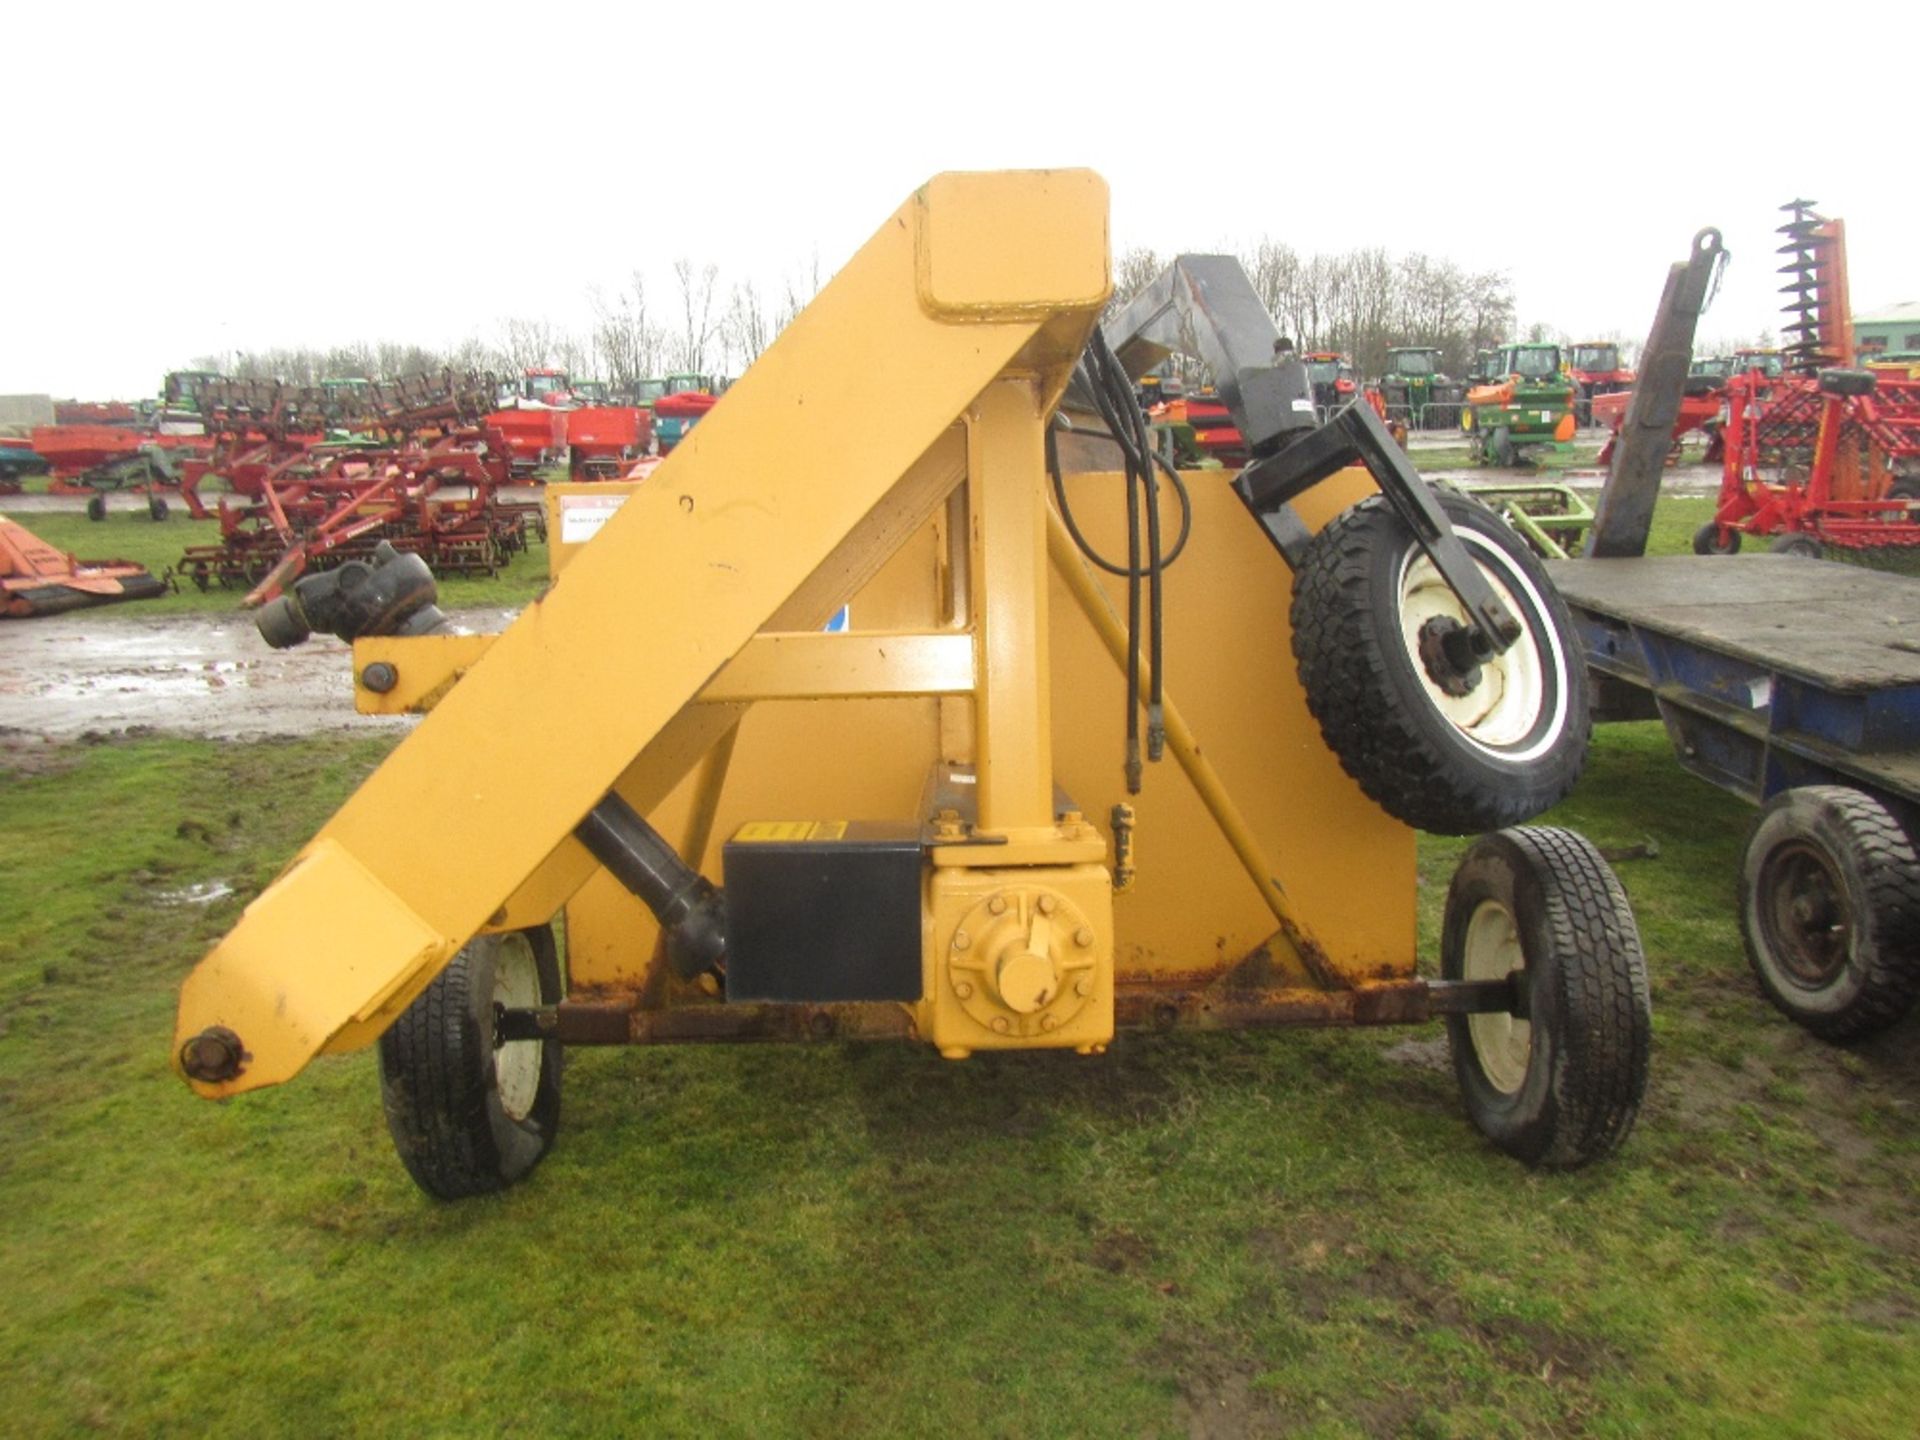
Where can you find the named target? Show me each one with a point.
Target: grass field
(1196, 1235)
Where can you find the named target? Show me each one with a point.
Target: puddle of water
(205, 893)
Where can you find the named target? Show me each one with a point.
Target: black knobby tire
(1799, 545)
(470, 1117)
(1708, 540)
(1500, 448)
(96, 506)
(156, 507)
(1564, 1090)
(1830, 910)
(1455, 765)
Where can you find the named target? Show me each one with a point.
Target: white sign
(581, 516)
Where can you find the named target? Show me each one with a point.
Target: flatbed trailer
(1794, 684)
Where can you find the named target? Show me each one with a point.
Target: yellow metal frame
(700, 601)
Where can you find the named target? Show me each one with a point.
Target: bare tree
(698, 327)
(626, 343)
(527, 344)
(746, 330)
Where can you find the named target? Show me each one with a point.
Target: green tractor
(1526, 401)
(1416, 392)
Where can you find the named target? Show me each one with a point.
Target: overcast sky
(199, 181)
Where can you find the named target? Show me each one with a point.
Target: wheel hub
(1447, 653)
(1805, 916)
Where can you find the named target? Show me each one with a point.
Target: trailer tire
(470, 1116)
(1500, 448)
(156, 507)
(1830, 910)
(1707, 540)
(1800, 545)
(96, 506)
(1562, 1087)
(1365, 602)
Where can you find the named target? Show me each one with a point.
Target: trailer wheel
(1441, 750)
(1802, 546)
(96, 506)
(1830, 910)
(1500, 448)
(1710, 540)
(468, 1114)
(156, 507)
(1560, 1084)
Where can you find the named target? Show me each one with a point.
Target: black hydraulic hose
(1114, 398)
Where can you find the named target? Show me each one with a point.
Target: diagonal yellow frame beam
(796, 486)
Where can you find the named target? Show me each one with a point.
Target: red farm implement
(37, 579)
(339, 503)
(1821, 454)
(423, 477)
(604, 440)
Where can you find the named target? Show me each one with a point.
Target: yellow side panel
(1346, 865)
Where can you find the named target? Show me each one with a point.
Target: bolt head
(961, 940)
(1049, 1022)
(1045, 904)
(1001, 1025)
(964, 989)
(379, 677)
(1083, 986)
(1083, 937)
(997, 905)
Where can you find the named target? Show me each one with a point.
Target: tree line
(697, 329)
(1362, 302)
(1359, 302)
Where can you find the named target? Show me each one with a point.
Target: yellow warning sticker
(791, 830)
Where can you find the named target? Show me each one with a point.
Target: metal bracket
(1354, 433)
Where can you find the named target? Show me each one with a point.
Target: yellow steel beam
(1013, 717)
(766, 509)
(806, 665)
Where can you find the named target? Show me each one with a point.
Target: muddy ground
(65, 676)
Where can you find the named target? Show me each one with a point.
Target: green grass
(1220, 1234)
(130, 535)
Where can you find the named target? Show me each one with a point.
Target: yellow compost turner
(917, 823)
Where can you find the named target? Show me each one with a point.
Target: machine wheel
(96, 506)
(468, 1114)
(156, 507)
(1560, 1086)
(1830, 909)
(1807, 547)
(1708, 540)
(1500, 448)
(1444, 751)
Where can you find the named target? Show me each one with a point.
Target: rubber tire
(1500, 448)
(1371, 699)
(1589, 1008)
(1876, 863)
(96, 506)
(1706, 541)
(156, 508)
(439, 1087)
(1805, 547)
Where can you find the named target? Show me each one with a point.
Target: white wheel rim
(516, 1064)
(1507, 705)
(1502, 1043)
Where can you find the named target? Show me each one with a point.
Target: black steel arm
(1204, 306)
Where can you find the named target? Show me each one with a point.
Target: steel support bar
(1624, 516)
(1355, 433)
(1204, 306)
(1013, 708)
(1186, 749)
